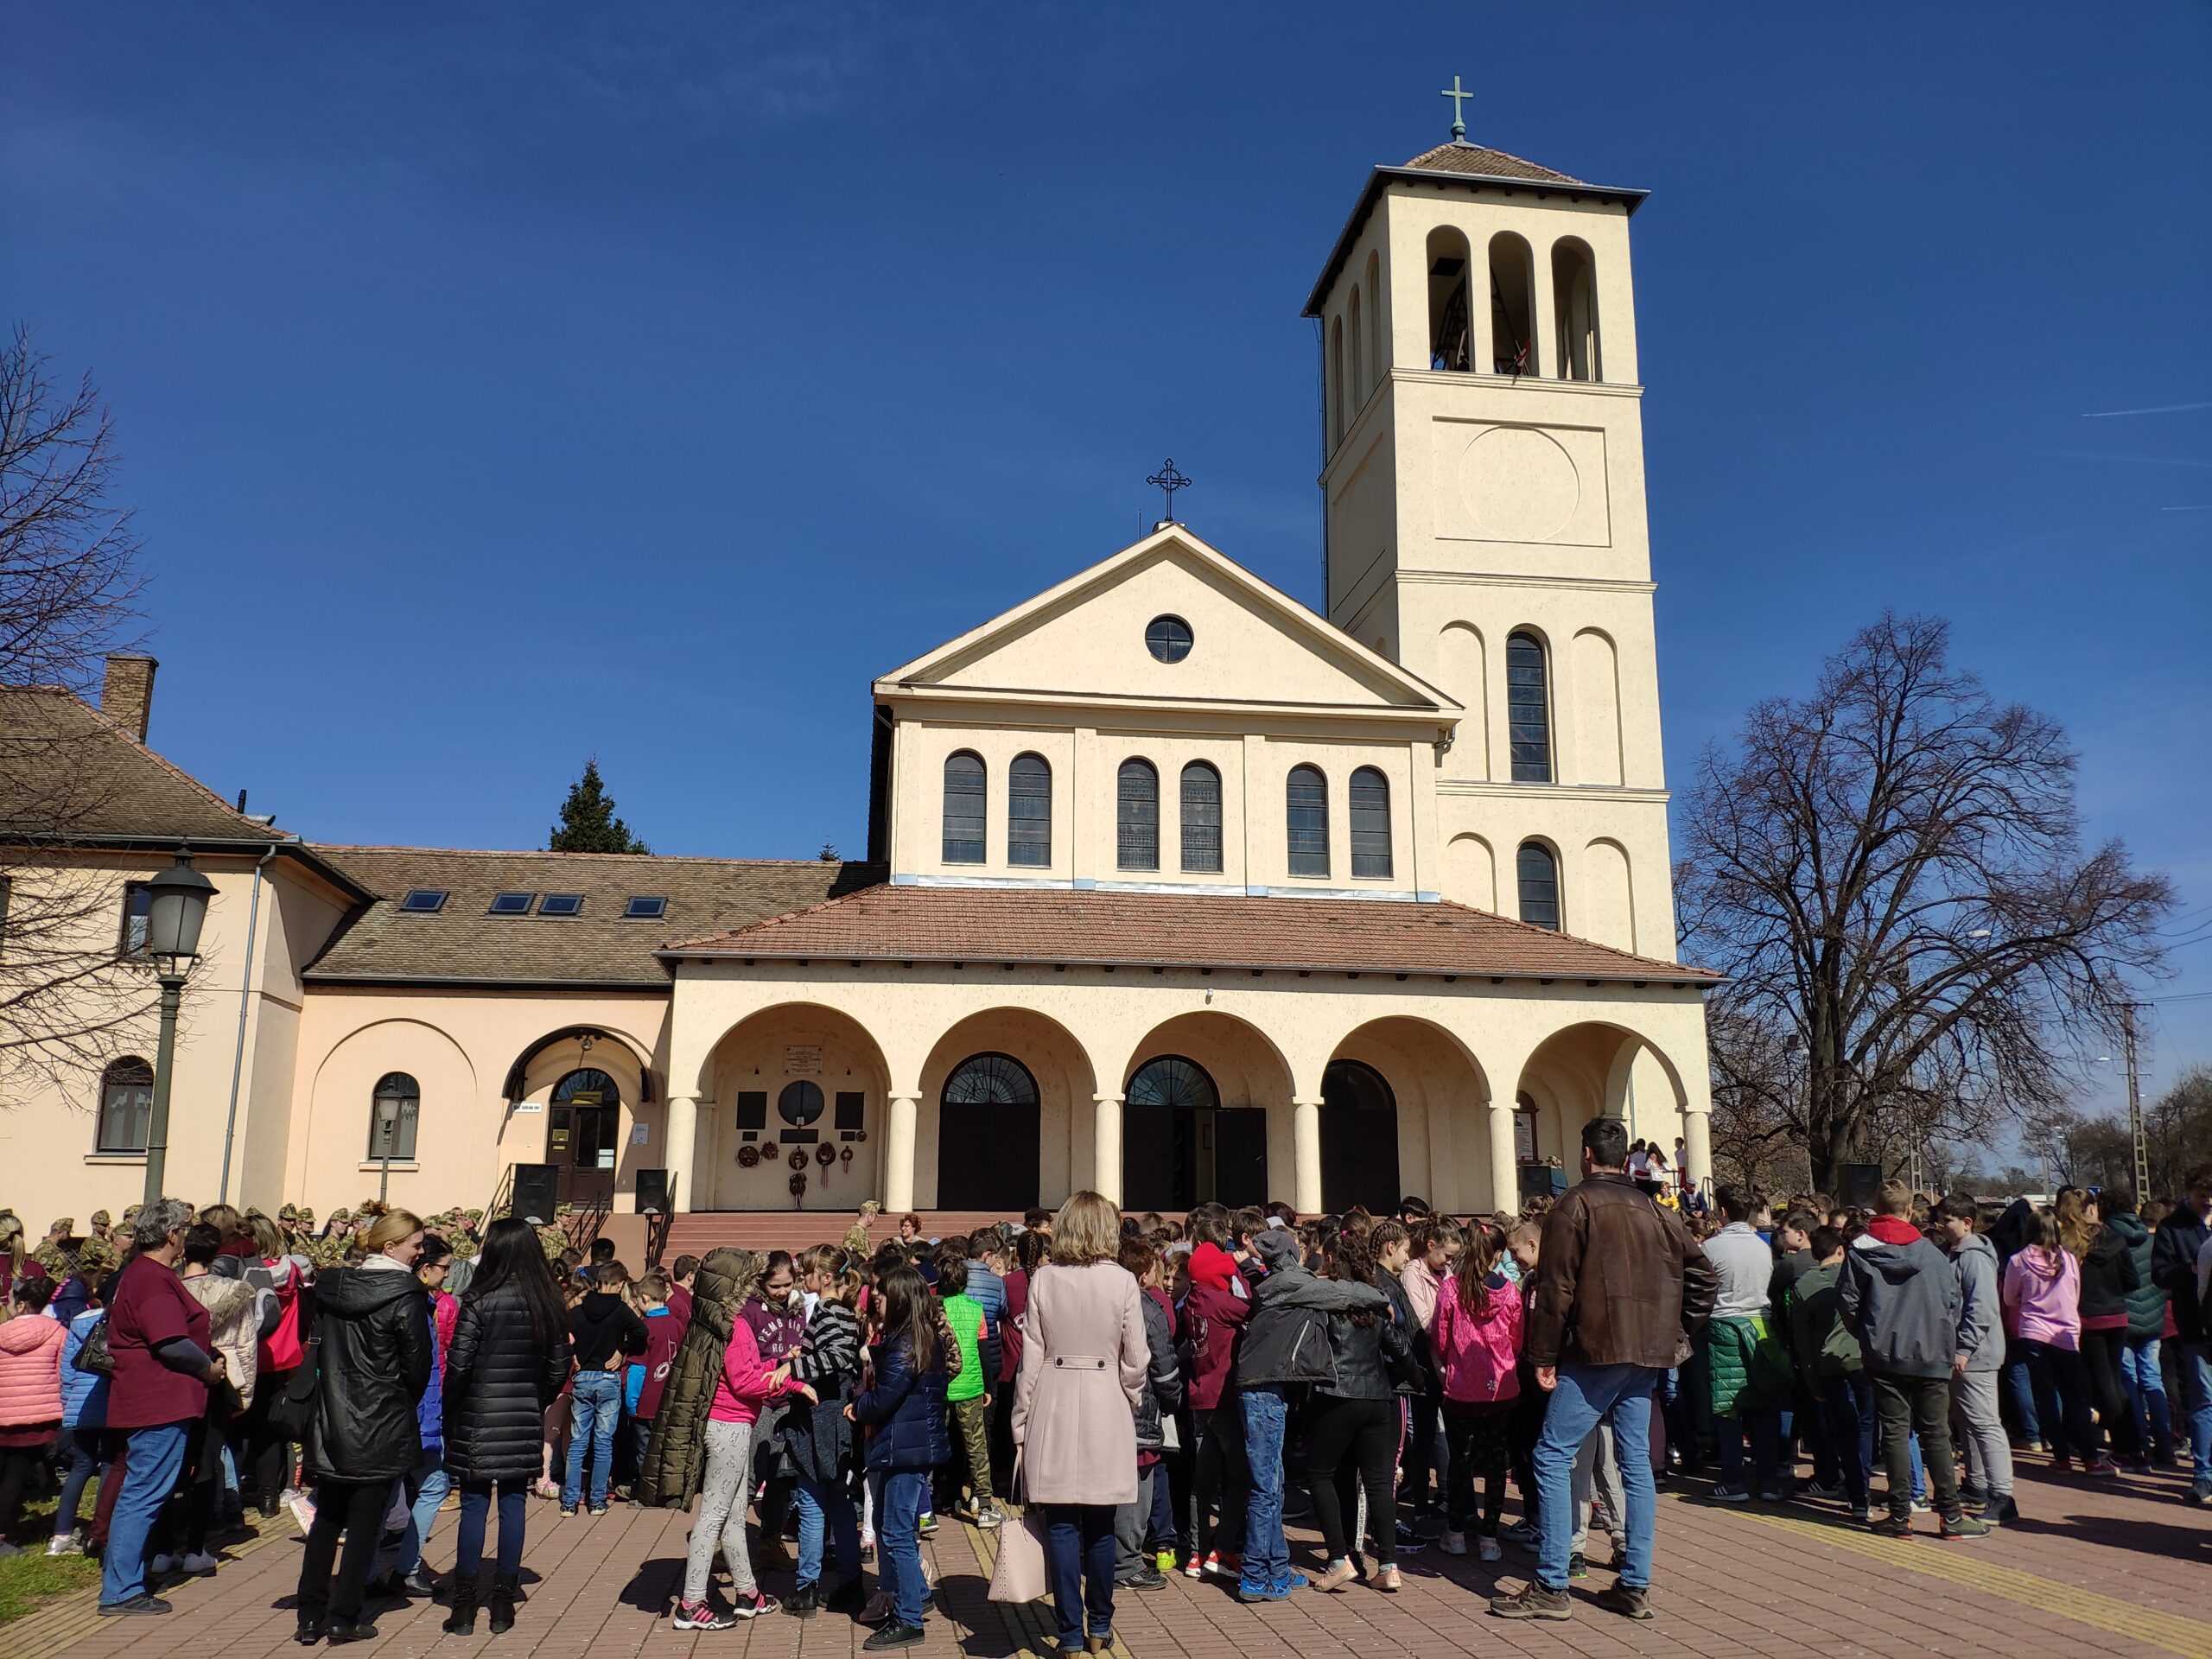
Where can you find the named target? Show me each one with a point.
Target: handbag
(1019, 1574)
(291, 1413)
(93, 1357)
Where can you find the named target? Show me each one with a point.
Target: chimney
(127, 693)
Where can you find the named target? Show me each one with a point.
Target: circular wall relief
(1519, 485)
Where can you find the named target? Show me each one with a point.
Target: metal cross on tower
(1459, 97)
(1167, 480)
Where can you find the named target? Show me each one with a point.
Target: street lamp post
(177, 906)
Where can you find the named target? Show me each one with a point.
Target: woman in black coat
(507, 1361)
(371, 1352)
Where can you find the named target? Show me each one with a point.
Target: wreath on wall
(825, 1154)
(798, 1183)
(797, 1160)
(747, 1157)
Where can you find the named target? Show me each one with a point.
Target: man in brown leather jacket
(1620, 1284)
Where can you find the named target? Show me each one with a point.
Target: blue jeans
(82, 1447)
(156, 1458)
(2146, 1394)
(1079, 1564)
(2195, 1368)
(468, 1541)
(595, 1405)
(898, 1540)
(1585, 1396)
(1266, 1557)
(430, 1485)
(827, 1509)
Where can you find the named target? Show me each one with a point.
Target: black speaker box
(653, 1192)
(537, 1192)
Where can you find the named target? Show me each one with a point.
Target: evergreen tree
(587, 821)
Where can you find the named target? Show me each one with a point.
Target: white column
(682, 1151)
(1106, 1145)
(899, 1155)
(1505, 1162)
(1306, 1143)
(1697, 1145)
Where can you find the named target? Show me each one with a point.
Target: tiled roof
(1095, 926)
(599, 946)
(73, 773)
(1489, 163)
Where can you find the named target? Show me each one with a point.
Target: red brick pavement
(2111, 1567)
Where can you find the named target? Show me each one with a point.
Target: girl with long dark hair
(509, 1358)
(904, 1416)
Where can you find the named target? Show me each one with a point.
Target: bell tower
(1484, 522)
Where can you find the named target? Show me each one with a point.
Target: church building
(1175, 887)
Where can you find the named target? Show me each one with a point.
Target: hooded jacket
(30, 1371)
(1163, 1389)
(232, 1324)
(676, 1457)
(1287, 1339)
(1477, 1354)
(500, 1375)
(83, 1393)
(1822, 1347)
(2043, 1288)
(1214, 1315)
(2146, 1303)
(1982, 1313)
(2108, 1279)
(1900, 1298)
(602, 1325)
(1619, 1280)
(373, 1327)
(2173, 1267)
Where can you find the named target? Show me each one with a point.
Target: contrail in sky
(2162, 409)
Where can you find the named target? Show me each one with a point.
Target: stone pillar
(1106, 1145)
(682, 1151)
(1504, 1163)
(1697, 1146)
(1306, 1143)
(899, 1155)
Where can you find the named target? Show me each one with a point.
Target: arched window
(1575, 308)
(964, 804)
(1451, 325)
(1537, 872)
(1171, 1080)
(1378, 356)
(584, 1125)
(1370, 824)
(1306, 817)
(1355, 331)
(394, 1110)
(1512, 306)
(990, 1080)
(1136, 838)
(126, 1104)
(1029, 811)
(1201, 818)
(1528, 709)
(1336, 382)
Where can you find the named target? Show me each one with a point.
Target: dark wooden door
(986, 1157)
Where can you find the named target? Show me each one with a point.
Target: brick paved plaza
(2097, 1569)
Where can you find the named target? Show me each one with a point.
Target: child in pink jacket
(1477, 1339)
(30, 1391)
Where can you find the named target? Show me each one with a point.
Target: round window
(799, 1104)
(1168, 638)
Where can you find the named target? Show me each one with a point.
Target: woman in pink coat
(30, 1393)
(1083, 1366)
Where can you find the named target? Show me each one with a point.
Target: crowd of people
(1158, 1395)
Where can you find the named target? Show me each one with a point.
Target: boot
(505, 1586)
(462, 1620)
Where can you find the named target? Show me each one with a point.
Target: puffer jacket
(904, 1413)
(232, 1324)
(83, 1393)
(500, 1376)
(1286, 1340)
(1748, 1364)
(676, 1457)
(1477, 1354)
(2146, 1303)
(1163, 1390)
(30, 1371)
(374, 1361)
(430, 1409)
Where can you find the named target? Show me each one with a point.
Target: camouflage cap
(101, 1218)
(63, 1228)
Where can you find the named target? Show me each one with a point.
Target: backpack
(281, 1350)
(92, 1357)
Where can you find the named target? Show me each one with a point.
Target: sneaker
(991, 1517)
(2100, 1465)
(1147, 1577)
(137, 1607)
(302, 1510)
(2000, 1511)
(1487, 1548)
(1165, 1561)
(878, 1609)
(1626, 1599)
(200, 1565)
(1577, 1568)
(1453, 1543)
(567, 1511)
(1198, 1565)
(1248, 1591)
(420, 1582)
(1772, 1495)
(2136, 1467)
(754, 1606)
(1225, 1564)
(1520, 1535)
(162, 1565)
(1893, 1526)
(1963, 1525)
(1827, 1491)
(595, 1510)
(805, 1602)
(1922, 1506)
(928, 1526)
(2199, 1496)
(1534, 1602)
(1724, 1493)
(1295, 1581)
(703, 1617)
(1862, 1513)
(1410, 1541)
(1341, 1573)
(893, 1636)
(69, 1544)
(1387, 1581)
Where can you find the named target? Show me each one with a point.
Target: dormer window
(425, 901)
(511, 904)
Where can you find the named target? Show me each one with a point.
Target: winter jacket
(430, 1409)
(747, 1384)
(777, 1330)
(500, 1376)
(1163, 1389)
(1422, 1289)
(676, 1457)
(233, 1324)
(2146, 1303)
(1016, 1285)
(1619, 1281)
(1478, 1355)
(987, 1291)
(904, 1413)
(1214, 1314)
(83, 1393)
(2044, 1290)
(1413, 1372)
(2108, 1279)
(1086, 1363)
(817, 1436)
(601, 1326)
(664, 1336)
(30, 1371)
(1747, 1363)
(1821, 1344)
(1901, 1299)
(372, 1326)
(1981, 1315)
(2173, 1267)
(1286, 1342)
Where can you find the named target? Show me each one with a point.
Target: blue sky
(504, 383)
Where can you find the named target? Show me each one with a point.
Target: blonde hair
(390, 1227)
(1088, 1228)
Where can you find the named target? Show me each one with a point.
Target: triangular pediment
(1250, 643)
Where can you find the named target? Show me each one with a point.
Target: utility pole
(2135, 1107)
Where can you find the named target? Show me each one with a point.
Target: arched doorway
(1179, 1147)
(583, 1134)
(1359, 1139)
(988, 1135)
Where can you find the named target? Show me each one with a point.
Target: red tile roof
(1093, 927)
(1485, 162)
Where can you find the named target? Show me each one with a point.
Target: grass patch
(30, 1580)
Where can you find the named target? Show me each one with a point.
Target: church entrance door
(988, 1140)
(1359, 1140)
(583, 1133)
(1180, 1147)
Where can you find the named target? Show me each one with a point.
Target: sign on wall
(803, 1060)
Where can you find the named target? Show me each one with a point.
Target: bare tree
(1891, 872)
